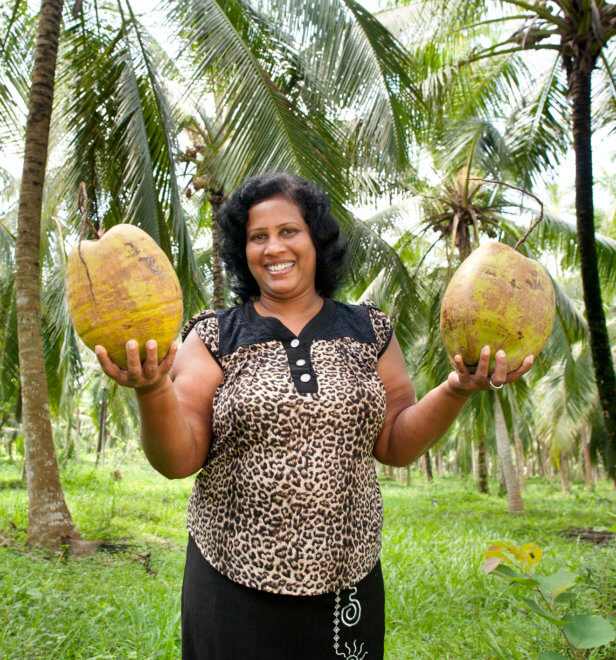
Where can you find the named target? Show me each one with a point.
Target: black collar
(280, 330)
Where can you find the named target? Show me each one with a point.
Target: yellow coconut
(120, 287)
(499, 298)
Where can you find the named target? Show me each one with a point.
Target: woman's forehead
(273, 212)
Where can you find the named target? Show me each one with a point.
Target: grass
(440, 605)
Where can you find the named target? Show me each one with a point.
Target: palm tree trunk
(102, 432)
(218, 299)
(603, 366)
(9, 445)
(68, 445)
(49, 519)
(539, 457)
(474, 460)
(587, 462)
(427, 466)
(503, 446)
(439, 462)
(482, 466)
(77, 433)
(563, 471)
(519, 459)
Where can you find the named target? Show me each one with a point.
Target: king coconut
(122, 286)
(501, 299)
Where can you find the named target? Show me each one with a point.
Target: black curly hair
(331, 247)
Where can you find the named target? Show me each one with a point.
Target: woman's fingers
(482, 379)
(459, 365)
(483, 365)
(138, 374)
(133, 361)
(150, 364)
(107, 365)
(167, 363)
(499, 376)
(522, 369)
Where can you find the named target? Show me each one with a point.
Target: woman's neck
(302, 307)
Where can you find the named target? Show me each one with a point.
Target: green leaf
(586, 632)
(551, 655)
(557, 582)
(533, 606)
(508, 573)
(565, 597)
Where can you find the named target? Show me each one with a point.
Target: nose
(273, 246)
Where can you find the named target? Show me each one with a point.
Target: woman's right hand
(143, 377)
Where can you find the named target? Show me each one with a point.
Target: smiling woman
(279, 251)
(295, 200)
(281, 404)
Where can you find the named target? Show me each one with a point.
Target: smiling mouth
(274, 268)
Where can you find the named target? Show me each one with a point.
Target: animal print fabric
(288, 499)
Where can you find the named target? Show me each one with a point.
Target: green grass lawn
(440, 604)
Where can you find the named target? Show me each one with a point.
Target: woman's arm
(175, 402)
(410, 427)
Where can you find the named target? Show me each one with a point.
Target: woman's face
(279, 249)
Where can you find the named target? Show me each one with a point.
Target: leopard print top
(288, 499)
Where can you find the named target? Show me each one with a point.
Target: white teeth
(275, 267)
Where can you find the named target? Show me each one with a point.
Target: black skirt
(223, 620)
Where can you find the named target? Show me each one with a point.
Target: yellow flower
(517, 553)
(533, 552)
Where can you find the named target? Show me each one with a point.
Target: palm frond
(604, 101)
(62, 357)
(17, 34)
(537, 127)
(123, 137)
(9, 363)
(474, 144)
(264, 130)
(557, 234)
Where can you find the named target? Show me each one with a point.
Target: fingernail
(532, 358)
(500, 353)
(97, 350)
(131, 344)
(151, 344)
(485, 349)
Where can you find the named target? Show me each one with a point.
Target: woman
(281, 403)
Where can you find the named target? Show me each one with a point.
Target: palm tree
(459, 210)
(48, 516)
(574, 35)
(207, 138)
(514, 498)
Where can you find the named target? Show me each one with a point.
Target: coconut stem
(525, 192)
(82, 203)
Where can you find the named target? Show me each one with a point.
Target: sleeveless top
(288, 499)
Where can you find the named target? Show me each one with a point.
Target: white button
(295, 343)
(300, 363)
(305, 378)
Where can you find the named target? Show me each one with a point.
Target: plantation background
(124, 602)
(433, 127)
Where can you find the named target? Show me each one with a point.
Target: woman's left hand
(462, 381)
